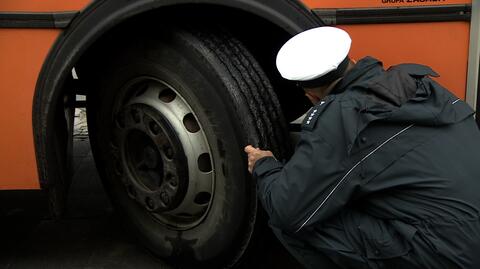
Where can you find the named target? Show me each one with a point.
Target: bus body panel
(441, 45)
(23, 52)
(380, 3)
(43, 5)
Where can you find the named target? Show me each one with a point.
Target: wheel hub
(154, 157)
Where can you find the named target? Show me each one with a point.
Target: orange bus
(175, 88)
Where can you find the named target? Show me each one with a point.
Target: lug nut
(171, 179)
(154, 128)
(165, 198)
(168, 152)
(150, 203)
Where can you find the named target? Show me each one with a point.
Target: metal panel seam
(36, 19)
(473, 57)
(340, 16)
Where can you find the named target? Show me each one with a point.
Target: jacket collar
(360, 69)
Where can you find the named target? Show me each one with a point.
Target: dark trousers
(305, 255)
(357, 240)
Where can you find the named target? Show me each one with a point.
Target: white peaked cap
(313, 53)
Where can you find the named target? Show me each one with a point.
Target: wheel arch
(285, 18)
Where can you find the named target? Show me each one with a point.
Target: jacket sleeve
(308, 188)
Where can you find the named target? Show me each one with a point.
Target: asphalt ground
(90, 235)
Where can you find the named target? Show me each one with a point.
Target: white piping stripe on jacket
(348, 173)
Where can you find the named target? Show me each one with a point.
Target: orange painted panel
(22, 53)
(42, 5)
(441, 45)
(379, 3)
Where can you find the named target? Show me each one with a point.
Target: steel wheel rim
(149, 115)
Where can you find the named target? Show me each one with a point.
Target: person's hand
(255, 154)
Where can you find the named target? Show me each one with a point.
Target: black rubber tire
(234, 103)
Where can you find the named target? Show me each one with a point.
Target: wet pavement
(89, 236)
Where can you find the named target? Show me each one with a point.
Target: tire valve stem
(165, 198)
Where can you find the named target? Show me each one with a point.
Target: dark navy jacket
(387, 169)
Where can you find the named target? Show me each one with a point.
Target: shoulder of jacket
(311, 118)
(416, 70)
